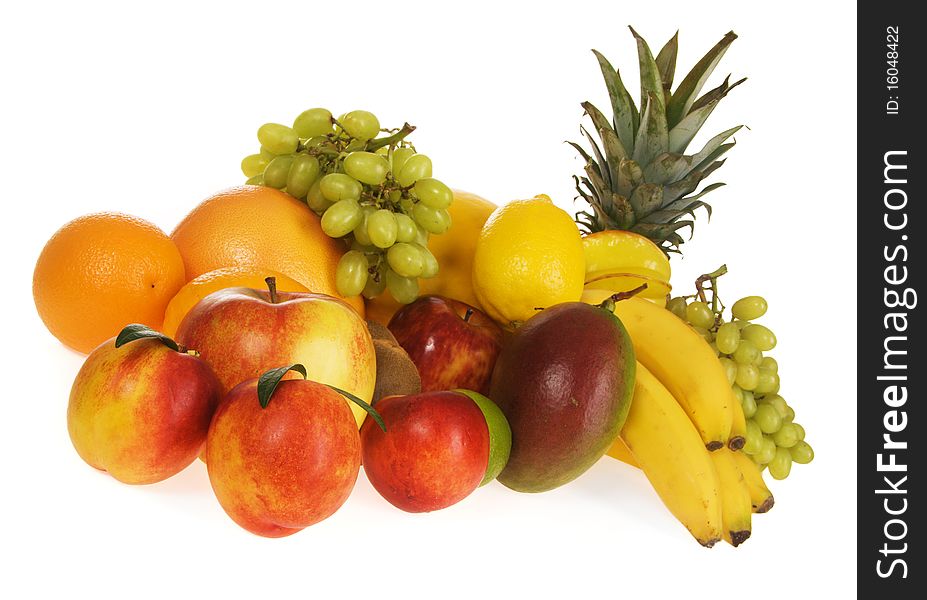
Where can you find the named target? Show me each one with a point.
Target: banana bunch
(620, 261)
(685, 427)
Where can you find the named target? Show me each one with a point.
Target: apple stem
(272, 288)
(468, 315)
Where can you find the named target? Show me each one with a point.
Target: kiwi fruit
(396, 373)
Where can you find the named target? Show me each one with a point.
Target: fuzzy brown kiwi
(396, 373)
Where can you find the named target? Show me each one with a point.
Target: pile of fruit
(345, 308)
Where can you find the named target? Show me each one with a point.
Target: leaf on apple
(268, 382)
(137, 331)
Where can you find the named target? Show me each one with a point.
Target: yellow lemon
(529, 256)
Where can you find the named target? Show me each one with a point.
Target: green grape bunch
(374, 192)
(773, 439)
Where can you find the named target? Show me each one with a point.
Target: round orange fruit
(261, 228)
(213, 281)
(101, 272)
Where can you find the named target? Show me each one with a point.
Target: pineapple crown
(638, 177)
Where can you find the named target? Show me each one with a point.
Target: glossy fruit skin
(448, 351)
(564, 382)
(260, 227)
(454, 251)
(140, 412)
(434, 452)
(102, 271)
(242, 334)
(213, 281)
(529, 255)
(272, 473)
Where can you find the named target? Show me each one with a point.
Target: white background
(149, 110)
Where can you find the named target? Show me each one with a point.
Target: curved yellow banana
(736, 508)
(621, 451)
(738, 425)
(684, 362)
(665, 444)
(760, 497)
(620, 251)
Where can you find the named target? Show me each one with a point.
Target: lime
(500, 434)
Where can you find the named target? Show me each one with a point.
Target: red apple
(243, 332)
(453, 344)
(140, 410)
(282, 460)
(434, 452)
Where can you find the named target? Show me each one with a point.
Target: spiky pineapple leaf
(678, 189)
(667, 168)
(686, 205)
(614, 150)
(712, 145)
(629, 177)
(653, 137)
(600, 164)
(682, 134)
(626, 116)
(687, 92)
(651, 80)
(716, 94)
(646, 198)
(663, 231)
(711, 168)
(666, 63)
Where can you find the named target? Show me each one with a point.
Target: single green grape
(277, 171)
(256, 180)
(360, 124)
(360, 232)
(366, 167)
(768, 418)
(766, 452)
(351, 274)
(802, 453)
(430, 265)
(677, 306)
(749, 308)
(421, 236)
(730, 369)
(769, 364)
(699, 314)
(740, 324)
(303, 173)
(316, 201)
(777, 402)
(767, 382)
(376, 283)
(432, 220)
(382, 228)
(403, 289)
(738, 393)
(781, 464)
(341, 218)
(399, 158)
(314, 122)
(789, 415)
(787, 436)
(748, 401)
(405, 228)
(747, 376)
(267, 154)
(278, 139)
(753, 441)
(338, 186)
(727, 338)
(432, 192)
(253, 164)
(418, 166)
(746, 353)
(405, 260)
(799, 432)
(762, 337)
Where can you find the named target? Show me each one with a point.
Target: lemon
(529, 256)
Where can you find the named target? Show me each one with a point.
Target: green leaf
(666, 63)
(370, 410)
(681, 135)
(716, 164)
(661, 230)
(705, 155)
(601, 164)
(653, 137)
(674, 191)
(688, 204)
(137, 331)
(625, 116)
(688, 90)
(267, 383)
(646, 198)
(716, 94)
(622, 214)
(651, 80)
(667, 168)
(629, 176)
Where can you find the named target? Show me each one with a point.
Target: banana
(760, 497)
(738, 424)
(736, 508)
(663, 441)
(683, 362)
(620, 451)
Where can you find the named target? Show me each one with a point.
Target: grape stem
(711, 279)
(397, 137)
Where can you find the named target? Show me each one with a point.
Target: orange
(207, 283)
(454, 250)
(101, 272)
(261, 228)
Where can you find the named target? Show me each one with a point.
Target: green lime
(500, 434)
